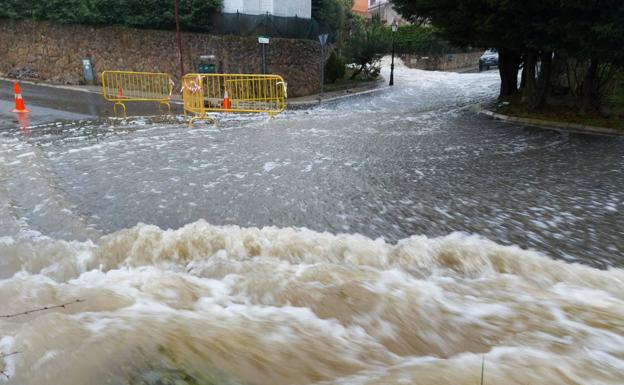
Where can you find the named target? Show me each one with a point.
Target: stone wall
(54, 53)
(447, 62)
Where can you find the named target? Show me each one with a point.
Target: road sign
(323, 38)
(263, 40)
(87, 67)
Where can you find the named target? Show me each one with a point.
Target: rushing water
(416, 298)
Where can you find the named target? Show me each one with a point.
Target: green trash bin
(207, 65)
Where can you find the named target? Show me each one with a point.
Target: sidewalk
(297, 102)
(313, 100)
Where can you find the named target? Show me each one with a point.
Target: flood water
(394, 238)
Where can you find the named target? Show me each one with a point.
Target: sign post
(264, 41)
(323, 40)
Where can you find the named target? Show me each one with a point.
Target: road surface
(392, 238)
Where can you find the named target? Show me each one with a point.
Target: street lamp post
(178, 36)
(395, 27)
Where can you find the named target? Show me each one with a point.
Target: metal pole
(392, 65)
(322, 70)
(179, 37)
(264, 69)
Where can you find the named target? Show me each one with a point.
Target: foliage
(366, 46)
(539, 35)
(420, 39)
(332, 13)
(334, 68)
(133, 13)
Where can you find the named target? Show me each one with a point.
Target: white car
(488, 59)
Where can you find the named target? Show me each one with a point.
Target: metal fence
(127, 86)
(266, 25)
(242, 93)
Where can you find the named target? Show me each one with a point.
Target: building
(284, 8)
(360, 7)
(385, 11)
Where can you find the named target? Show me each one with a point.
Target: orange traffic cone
(119, 93)
(227, 103)
(19, 101)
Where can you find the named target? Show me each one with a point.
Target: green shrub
(156, 14)
(334, 68)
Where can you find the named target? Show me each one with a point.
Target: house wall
(384, 9)
(286, 8)
(446, 62)
(361, 7)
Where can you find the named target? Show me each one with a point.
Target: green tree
(334, 68)
(332, 13)
(533, 33)
(194, 14)
(366, 45)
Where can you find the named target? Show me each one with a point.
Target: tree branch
(3, 355)
(41, 309)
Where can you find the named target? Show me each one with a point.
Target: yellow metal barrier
(204, 93)
(126, 86)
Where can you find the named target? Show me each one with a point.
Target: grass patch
(565, 114)
(616, 100)
(346, 82)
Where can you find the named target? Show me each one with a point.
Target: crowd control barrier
(242, 93)
(126, 86)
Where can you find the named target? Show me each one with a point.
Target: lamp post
(395, 28)
(178, 36)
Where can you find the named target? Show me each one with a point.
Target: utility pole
(179, 36)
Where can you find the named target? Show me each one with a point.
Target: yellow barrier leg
(166, 103)
(194, 118)
(120, 104)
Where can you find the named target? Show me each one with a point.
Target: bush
(366, 45)
(334, 68)
(422, 40)
(156, 14)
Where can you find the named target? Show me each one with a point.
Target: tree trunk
(358, 71)
(523, 78)
(530, 89)
(588, 101)
(508, 62)
(543, 81)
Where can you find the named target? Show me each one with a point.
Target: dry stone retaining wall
(447, 62)
(54, 53)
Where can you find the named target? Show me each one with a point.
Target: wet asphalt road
(412, 160)
(52, 104)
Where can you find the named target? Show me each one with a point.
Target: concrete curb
(557, 126)
(349, 93)
(58, 86)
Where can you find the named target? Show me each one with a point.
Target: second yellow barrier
(243, 93)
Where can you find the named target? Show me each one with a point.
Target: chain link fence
(265, 25)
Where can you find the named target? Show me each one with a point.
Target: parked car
(488, 59)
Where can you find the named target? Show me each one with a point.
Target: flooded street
(393, 238)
